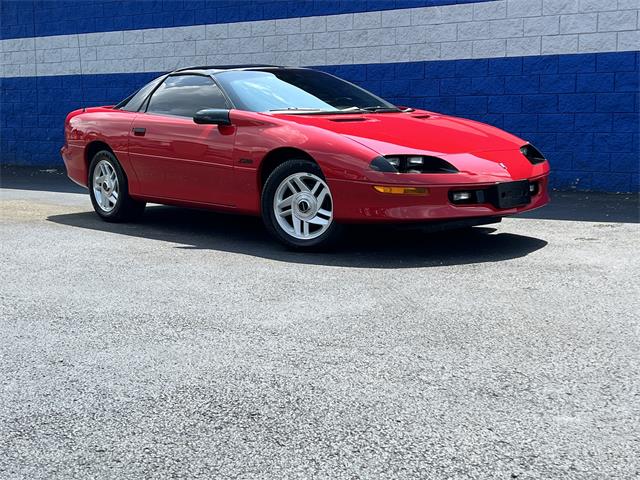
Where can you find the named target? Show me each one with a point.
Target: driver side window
(184, 95)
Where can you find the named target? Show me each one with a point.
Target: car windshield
(297, 91)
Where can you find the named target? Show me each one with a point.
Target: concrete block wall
(560, 73)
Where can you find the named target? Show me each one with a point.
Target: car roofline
(209, 71)
(223, 68)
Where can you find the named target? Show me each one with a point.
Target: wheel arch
(278, 156)
(94, 147)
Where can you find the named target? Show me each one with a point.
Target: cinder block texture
(486, 29)
(562, 74)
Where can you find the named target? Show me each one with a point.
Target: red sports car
(303, 148)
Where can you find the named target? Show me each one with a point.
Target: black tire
(279, 174)
(125, 208)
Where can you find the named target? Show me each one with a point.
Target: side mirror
(212, 116)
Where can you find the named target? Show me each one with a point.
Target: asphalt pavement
(191, 345)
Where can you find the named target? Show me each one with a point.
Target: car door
(175, 158)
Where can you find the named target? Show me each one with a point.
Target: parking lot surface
(190, 345)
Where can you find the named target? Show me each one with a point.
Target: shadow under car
(361, 247)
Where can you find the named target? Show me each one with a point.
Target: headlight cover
(380, 164)
(532, 154)
(412, 164)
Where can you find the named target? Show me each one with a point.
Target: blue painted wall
(582, 111)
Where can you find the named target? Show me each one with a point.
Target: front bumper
(358, 202)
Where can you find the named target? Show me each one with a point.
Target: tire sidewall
(123, 192)
(274, 180)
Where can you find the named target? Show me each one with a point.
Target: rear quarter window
(135, 101)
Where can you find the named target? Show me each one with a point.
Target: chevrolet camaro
(307, 151)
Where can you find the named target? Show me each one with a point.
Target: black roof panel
(226, 67)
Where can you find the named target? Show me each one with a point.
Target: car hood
(417, 132)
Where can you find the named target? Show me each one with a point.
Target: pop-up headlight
(412, 164)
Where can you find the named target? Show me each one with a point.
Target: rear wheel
(109, 189)
(297, 206)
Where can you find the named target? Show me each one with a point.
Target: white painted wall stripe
(502, 28)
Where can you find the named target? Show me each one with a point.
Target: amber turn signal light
(401, 190)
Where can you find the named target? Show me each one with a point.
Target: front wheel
(297, 206)
(109, 189)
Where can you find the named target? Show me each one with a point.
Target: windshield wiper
(315, 111)
(376, 108)
(298, 109)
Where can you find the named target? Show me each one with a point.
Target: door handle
(139, 131)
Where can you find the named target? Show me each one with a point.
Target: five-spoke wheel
(303, 206)
(105, 185)
(297, 206)
(109, 189)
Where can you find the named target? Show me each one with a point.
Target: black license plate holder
(512, 194)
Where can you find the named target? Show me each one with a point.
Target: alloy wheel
(303, 206)
(106, 188)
